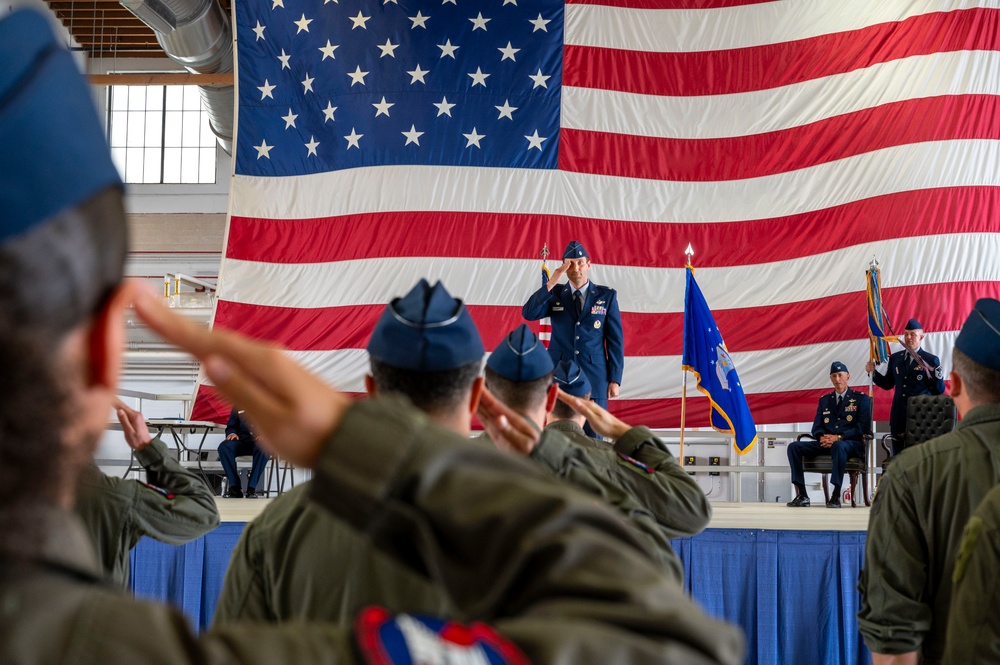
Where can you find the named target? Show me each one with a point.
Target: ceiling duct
(197, 35)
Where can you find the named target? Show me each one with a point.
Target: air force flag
(705, 355)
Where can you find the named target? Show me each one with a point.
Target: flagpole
(689, 252)
(872, 345)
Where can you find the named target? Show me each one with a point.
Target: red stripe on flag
(940, 306)
(446, 234)
(771, 66)
(944, 118)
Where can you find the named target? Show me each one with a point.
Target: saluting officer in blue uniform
(586, 323)
(842, 419)
(909, 378)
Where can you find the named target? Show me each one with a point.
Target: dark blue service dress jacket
(908, 379)
(594, 340)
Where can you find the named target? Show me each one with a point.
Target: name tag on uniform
(558, 308)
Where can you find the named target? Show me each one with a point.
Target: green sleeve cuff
(156, 451)
(633, 439)
(363, 457)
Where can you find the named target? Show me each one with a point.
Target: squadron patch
(405, 639)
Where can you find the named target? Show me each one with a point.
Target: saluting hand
(600, 419)
(509, 430)
(133, 425)
(292, 410)
(558, 273)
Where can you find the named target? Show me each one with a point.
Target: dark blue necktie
(578, 299)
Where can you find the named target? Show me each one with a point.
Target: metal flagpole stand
(684, 379)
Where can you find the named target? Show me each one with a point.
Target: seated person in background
(973, 636)
(909, 376)
(842, 419)
(547, 574)
(173, 506)
(923, 503)
(240, 440)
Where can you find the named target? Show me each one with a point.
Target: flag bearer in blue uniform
(586, 323)
(909, 376)
(842, 419)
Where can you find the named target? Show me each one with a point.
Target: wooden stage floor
(771, 516)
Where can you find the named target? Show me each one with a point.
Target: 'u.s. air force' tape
(636, 463)
(385, 638)
(159, 490)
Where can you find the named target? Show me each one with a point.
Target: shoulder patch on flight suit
(397, 639)
(158, 490)
(636, 463)
(972, 531)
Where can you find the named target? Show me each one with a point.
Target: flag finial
(689, 252)
(873, 264)
(545, 252)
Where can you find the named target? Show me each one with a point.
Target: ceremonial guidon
(911, 371)
(588, 333)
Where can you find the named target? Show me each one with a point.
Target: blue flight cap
(521, 357)
(913, 324)
(575, 250)
(571, 379)
(838, 367)
(55, 154)
(427, 330)
(980, 335)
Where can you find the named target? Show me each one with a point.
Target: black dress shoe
(801, 501)
(233, 493)
(252, 493)
(833, 503)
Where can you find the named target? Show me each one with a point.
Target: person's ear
(370, 385)
(956, 388)
(476, 395)
(551, 397)
(106, 338)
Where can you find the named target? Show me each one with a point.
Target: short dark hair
(431, 392)
(982, 383)
(53, 277)
(565, 411)
(519, 396)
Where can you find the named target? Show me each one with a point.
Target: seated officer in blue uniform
(842, 419)
(909, 377)
(241, 441)
(586, 323)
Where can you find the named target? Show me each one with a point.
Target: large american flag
(380, 141)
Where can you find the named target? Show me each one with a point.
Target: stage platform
(787, 576)
(724, 515)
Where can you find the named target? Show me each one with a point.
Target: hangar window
(160, 134)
